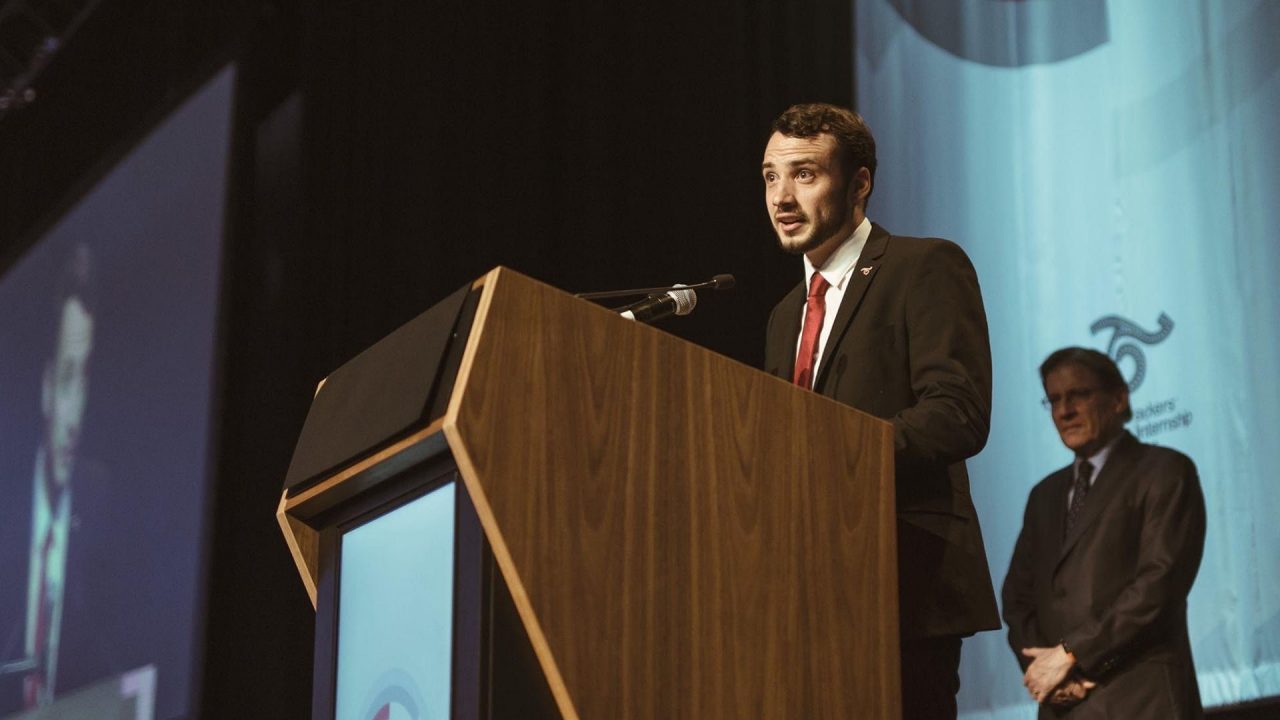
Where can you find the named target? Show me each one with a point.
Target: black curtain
(591, 146)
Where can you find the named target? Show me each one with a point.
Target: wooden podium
(675, 534)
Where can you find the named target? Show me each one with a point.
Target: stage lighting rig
(31, 33)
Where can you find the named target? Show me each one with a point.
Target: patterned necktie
(1079, 489)
(815, 311)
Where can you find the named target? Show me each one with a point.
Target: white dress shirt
(1097, 460)
(836, 271)
(49, 518)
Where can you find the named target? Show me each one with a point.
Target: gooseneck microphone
(662, 301)
(719, 282)
(679, 301)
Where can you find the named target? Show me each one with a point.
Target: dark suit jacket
(909, 344)
(1115, 589)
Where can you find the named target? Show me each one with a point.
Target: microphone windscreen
(723, 282)
(685, 300)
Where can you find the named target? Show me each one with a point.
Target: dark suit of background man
(894, 327)
(1096, 595)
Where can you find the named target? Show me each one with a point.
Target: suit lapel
(1106, 486)
(1057, 511)
(786, 332)
(864, 272)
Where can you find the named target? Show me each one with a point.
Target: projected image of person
(1096, 594)
(64, 393)
(893, 326)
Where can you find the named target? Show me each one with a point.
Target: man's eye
(804, 174)
(770, 177)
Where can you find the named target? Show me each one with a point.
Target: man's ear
(1122, 401)
(860, 188)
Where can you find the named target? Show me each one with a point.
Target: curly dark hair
(1102, 367)
(857, 147)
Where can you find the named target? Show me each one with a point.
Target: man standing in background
(1096, 595)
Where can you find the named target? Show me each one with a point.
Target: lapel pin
(866, 270)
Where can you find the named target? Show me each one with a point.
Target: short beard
(812, 243)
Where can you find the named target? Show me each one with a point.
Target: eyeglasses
(1072, 398)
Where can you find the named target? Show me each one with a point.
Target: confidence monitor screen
(106, 360)
(395, 612)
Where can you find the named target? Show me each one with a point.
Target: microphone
(719, 282)
(679, 301)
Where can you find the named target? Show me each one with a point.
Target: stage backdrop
(1112, 168)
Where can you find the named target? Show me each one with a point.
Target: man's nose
(781, 196)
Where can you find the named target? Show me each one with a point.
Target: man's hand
(1049, 667)
(1072, 691)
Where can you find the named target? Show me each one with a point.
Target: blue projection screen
(395, 612)
(1111, 167)
(106, 371)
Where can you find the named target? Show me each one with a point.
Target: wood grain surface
(684, 536)
(304, 546)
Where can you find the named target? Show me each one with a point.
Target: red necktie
(807, 358)
(33, 683)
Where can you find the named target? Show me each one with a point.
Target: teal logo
(1127, 339)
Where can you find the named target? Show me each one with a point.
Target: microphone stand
(719, 282)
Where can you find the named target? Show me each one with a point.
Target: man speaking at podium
(893, 326)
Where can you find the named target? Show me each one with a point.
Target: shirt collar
(1098, 459)
(838, 267)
